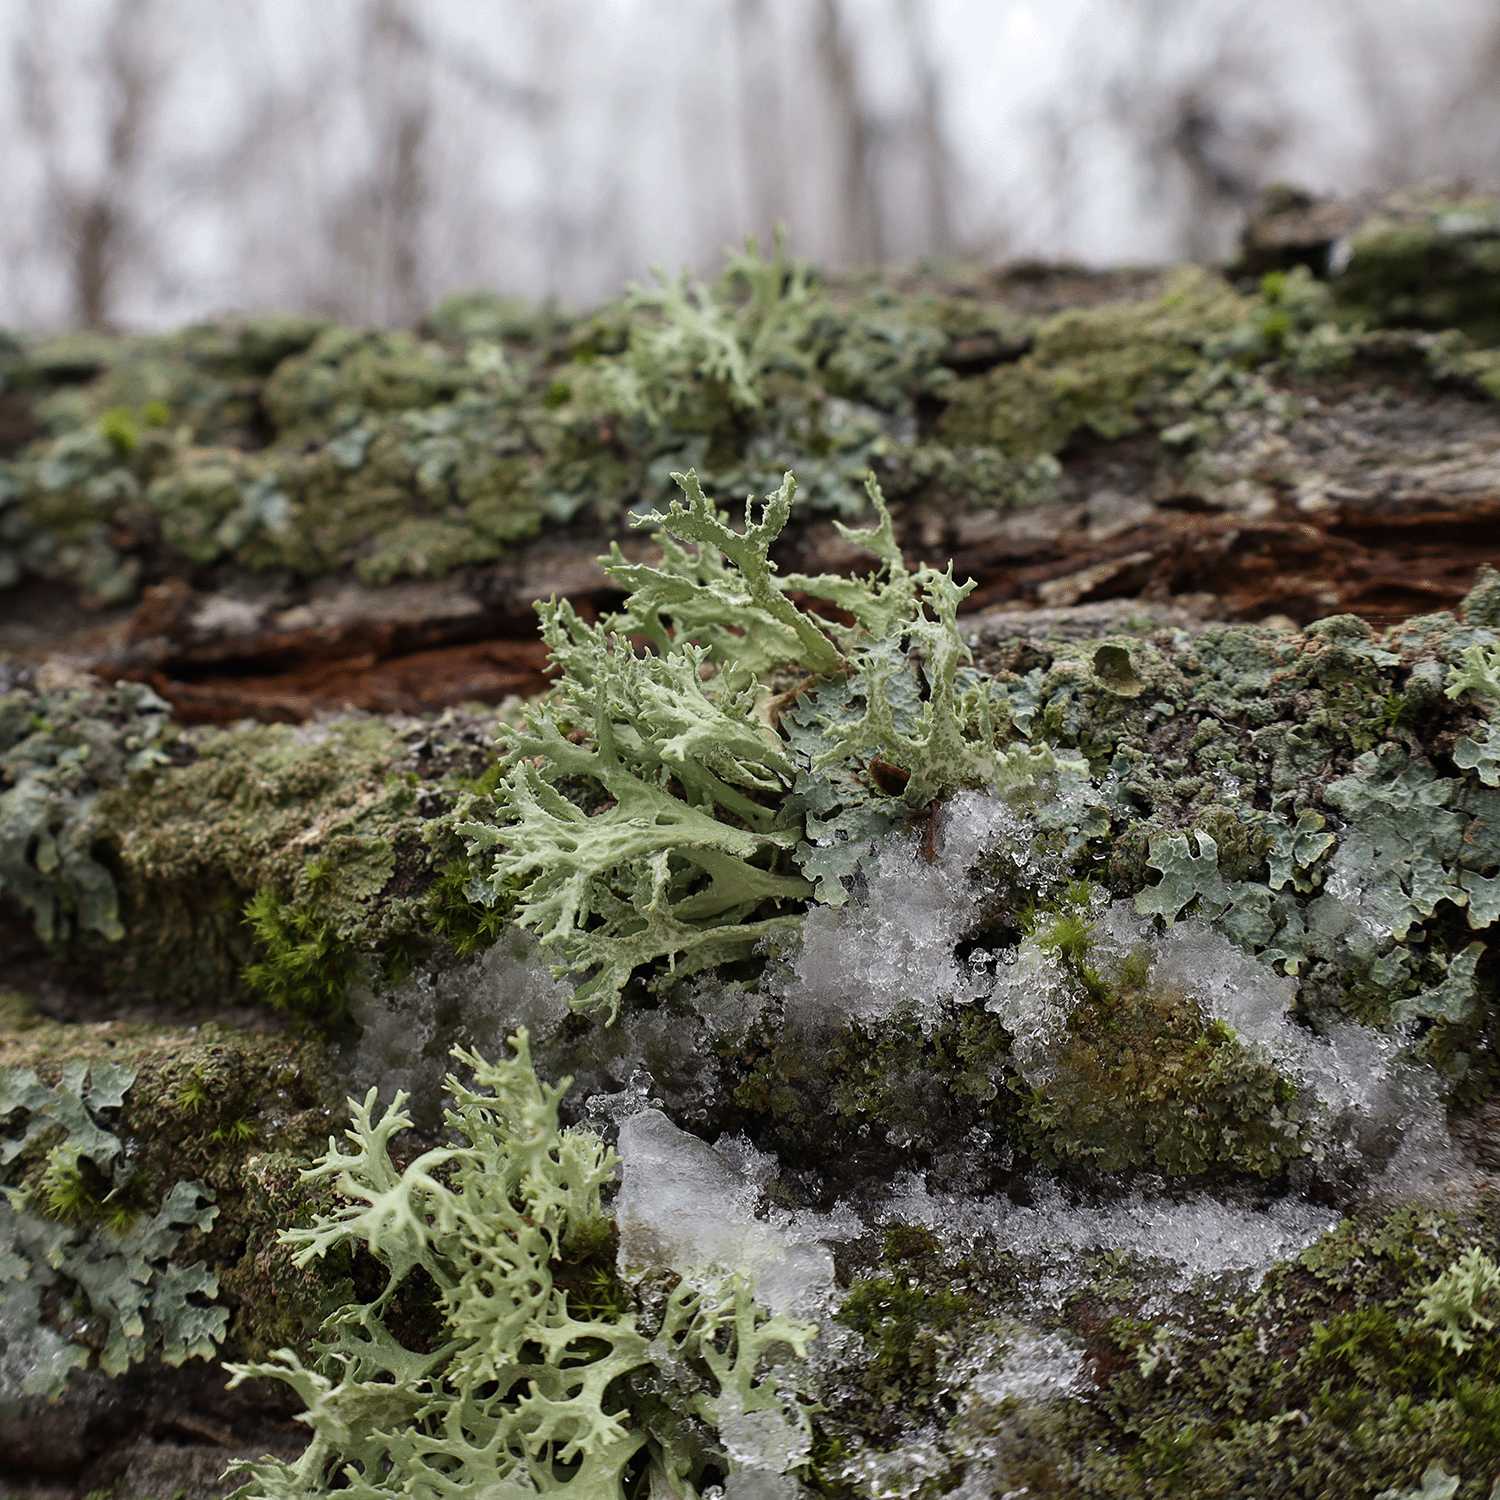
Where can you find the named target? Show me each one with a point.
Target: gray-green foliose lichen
(308, 448)
(143, 1170)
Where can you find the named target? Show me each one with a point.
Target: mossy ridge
(1334, 1379)
(263, 859)
(288, 855)
(299, 445)
(1236, 766)
(1432, 264)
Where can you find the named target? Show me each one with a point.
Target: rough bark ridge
(1185, 938)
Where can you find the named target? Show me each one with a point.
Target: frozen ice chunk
(1183, 1239)
(408, 1030)
(896, 946)
(684, 1204)
(762, 1439)
(1246, 995)
(1036, 1367)
(760, 1484)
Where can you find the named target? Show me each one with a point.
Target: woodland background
(169, 160)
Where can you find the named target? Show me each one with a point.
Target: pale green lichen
(1452, 1303)
(1478, 674)
(522, 1389)
(685, 831)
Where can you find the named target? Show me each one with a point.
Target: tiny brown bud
(890, 779)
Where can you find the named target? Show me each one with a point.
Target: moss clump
(1435, 265)
(915, 1314)
(894, 1087)
(303, 847)
(307, 967)
(1333, 1379)
(1341, 1340)
(1137, 1075)
(1101, 369)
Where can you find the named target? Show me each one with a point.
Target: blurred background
(168, 160)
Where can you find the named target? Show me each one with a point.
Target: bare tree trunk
(93, 220)
(857, 230)
(937, 166)
(400, 109)
(1472, 125)
(760, 111)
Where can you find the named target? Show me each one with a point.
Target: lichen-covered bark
(293, 509)
(971, 996)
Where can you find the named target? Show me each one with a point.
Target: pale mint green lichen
(1452, 1303)
(523, 1392)
(1437, 1484)
(687, 830)
(1478, 672)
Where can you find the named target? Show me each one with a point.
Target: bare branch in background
(857, 224)
(1202, 158)
(167, 160)
(1470, 126)
(92, 211)
(375, 222)
(758, 79)
(936, 162)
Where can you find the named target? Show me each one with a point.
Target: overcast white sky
(365, 156)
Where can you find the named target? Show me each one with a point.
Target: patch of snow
(693, 1207)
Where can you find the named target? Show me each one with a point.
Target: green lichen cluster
(529, 1374)
(145, 1173)
(1264, 783)
(312, 448)
(305, 448)
(682, 836)
(86, 1263)
(59, 753)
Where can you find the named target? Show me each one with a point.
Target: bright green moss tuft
(307, 968)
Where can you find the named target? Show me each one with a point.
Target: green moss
(1101, 369)
(1437, 265)
(808, 1091)
(302, 828)
(914, 1317)
(306, 968)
